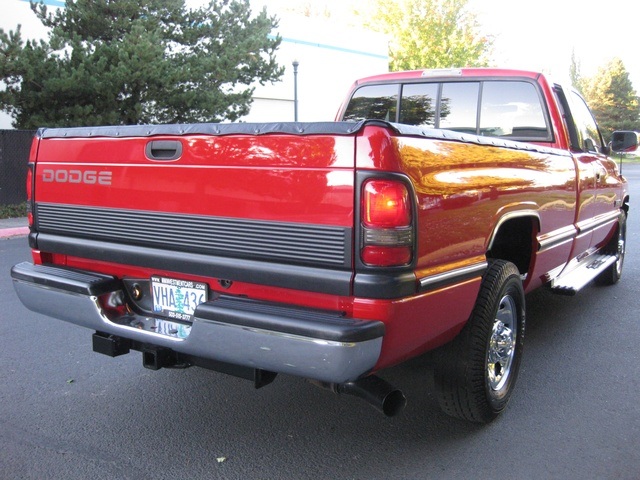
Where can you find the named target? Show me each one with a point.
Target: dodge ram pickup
(415, 222)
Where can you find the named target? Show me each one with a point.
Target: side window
(418, 104)
(376, 102)
(588, 133)
(459, 106)
(512, 109)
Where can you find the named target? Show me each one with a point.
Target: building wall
(331, 56)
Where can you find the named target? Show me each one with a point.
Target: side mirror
(624, 141)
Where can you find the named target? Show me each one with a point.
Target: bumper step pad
(73, 281)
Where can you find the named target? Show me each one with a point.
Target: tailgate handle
(163, 150)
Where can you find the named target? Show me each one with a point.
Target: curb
(14, 232)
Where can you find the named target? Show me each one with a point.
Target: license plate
(175, 298)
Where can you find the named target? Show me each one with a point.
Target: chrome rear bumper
(313, 344)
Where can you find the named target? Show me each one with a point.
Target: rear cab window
(459, 107)
(419, 103)
(512, 109)
(374, 102)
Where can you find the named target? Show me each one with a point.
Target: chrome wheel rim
(502, 344)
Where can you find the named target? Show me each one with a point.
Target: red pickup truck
(330, 251)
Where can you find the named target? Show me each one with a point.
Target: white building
(330, 56)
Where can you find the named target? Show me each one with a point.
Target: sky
(531, 34)
(542, 34)
(538, 35)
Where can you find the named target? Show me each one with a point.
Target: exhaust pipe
(374, 390)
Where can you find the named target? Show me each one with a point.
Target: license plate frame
(176, 298)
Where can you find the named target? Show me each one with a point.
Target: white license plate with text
(175, 298)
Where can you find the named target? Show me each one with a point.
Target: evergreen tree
(131, 62)
(612, 99)
(430, 34)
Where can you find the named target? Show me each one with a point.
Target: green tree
(430, 34)
(132, 62)
(612, 99)
(575, 74)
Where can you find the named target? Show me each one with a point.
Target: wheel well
(513, 241)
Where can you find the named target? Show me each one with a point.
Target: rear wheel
(475, 374)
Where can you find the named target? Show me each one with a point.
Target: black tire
(617, 246)
(476, 373)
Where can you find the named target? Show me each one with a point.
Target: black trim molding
(337, 282)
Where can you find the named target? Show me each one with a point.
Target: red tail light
(387, 223)
(386, 204)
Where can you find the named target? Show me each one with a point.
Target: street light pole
(295, 90)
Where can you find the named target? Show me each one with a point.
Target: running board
(575, 280)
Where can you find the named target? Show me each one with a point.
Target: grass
(13, 211)
(625, 159)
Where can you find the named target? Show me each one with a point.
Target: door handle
(163, 150)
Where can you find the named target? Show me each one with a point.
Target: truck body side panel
(465, 190)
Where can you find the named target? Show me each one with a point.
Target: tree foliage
(612, 99)
(575, 74)
(131, 62)
(431, 34)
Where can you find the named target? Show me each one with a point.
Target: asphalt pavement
(68, 413)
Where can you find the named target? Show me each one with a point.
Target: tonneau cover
(287, 128)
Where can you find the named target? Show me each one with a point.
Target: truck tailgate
(274, 192)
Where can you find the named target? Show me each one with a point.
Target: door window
(588, 133)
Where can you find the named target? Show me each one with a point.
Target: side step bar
(572, 282)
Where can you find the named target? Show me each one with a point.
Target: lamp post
(295, 90)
